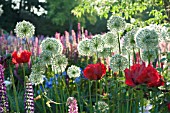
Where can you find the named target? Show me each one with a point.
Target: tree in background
(157, 11)
(60, 13)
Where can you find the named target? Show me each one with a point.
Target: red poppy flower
(168, 105)
(95, 71)
(140, 74)
(22, 57)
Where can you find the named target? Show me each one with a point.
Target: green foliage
(157, 9)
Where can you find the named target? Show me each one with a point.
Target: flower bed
(125, 70)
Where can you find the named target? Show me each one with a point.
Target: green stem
(129, 59)
(127, 104)
(79, 99)
(42, 101)
(62, 94)
(55, 92)
(134, 56)
(23, 68)
(14, 89)
(96, 95)
(119, 43)
(107, 90)
(90, 96)
(101, 89)
(149, 57)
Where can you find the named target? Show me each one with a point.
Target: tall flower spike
(72, 103)
(3, 97)
(29, 98)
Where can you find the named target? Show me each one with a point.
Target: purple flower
(29, 98)
(72, 104)
(3, 97)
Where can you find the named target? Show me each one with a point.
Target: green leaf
(163, 59)
(159, 69)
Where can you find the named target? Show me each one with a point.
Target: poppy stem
(14, 89)
(90, 97)
(96, 95)
(23, 69)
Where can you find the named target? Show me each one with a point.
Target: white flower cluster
(129, 41)
(36, 78)
(110, 40)
(146, 39)
(101, 107)
(151, 54)
(84, 48)
(59, 63)
(116, 23)
(24, 29)
(160, 30)
(118, 63)
(97, 43)
(73, 71)
(52, 45)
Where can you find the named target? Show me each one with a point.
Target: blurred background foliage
(50, 16)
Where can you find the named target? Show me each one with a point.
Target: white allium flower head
(105, 53)
(151, 54)
(59, 63)
(129, 40)
(36, 78)
(53, 45)
(116, 23)
(84, 48)
(38, 67)
(146, 39)
(110, 40)
(102, 107)
(161, 30)
(24, 29)
(73, 71)
(97, 44)
(118, 62)
(46, 57)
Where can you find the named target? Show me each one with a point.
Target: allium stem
(119, 43)
(55, 92)
(79, 99)
(129, 59)
(42, 101)
(14, 88)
